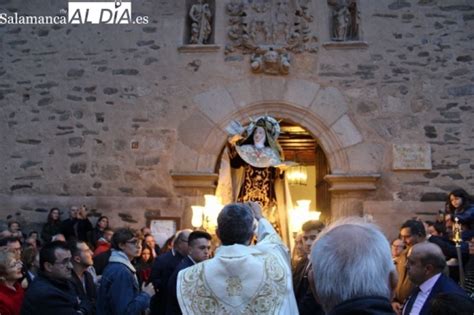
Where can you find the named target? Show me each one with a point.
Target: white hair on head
(351, 258)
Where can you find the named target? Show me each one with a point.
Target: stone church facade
(130, 119)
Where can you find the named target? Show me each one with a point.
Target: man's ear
(77, 259)
(48, 266)
(429, 268)
(122, 246)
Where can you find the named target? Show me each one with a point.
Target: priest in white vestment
(241, 279)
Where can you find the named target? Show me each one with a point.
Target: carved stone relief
(345, 20)
(200, 16)
(270, 30)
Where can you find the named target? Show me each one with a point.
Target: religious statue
(200, 14)
(340, 22)
(256, 160)
(345, 20)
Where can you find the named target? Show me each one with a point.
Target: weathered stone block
(346, 131)
(273, 88)
(74, 98)
(120, 144)
(109, 172)
(148, 161)
(27, 164)
(110, 91)
(78, 167)
(45, 101)
(329, 105)
(433, 196)
(75, 73)
(76, 142)
(397, 5)
(463, 90)
(125, 72)
(126, 190)
(29, 141)
(156, 191)
(216, 104)
(301, 92)
(245, 92)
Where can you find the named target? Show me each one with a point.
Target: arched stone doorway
(322, 111)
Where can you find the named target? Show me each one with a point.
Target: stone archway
(323, 111)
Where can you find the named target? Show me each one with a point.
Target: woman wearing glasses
(11, 292)
(119, 292)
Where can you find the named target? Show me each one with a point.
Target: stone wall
(105, 114)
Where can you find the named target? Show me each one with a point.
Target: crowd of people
(347, 267)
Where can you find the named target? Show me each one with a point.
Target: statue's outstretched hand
(233, 139)
(283, 166)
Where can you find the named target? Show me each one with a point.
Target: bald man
(425, 265)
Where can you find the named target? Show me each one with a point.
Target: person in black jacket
(307, 304)
(78, 226)
(460, 205)
(82, 280)
(52, 226)
(199, 243)
(163, 268)
(425, 266)
(51, 292)
(98, 231)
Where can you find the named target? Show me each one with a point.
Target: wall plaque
(411, 157)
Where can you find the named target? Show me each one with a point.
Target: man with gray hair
(240, 279)
(353, 269)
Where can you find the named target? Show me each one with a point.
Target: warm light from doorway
(198, 212)
(297, 175)
(206, 217)
(301, 214)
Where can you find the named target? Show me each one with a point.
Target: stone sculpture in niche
(201, 17)
(270, 30)
(345, 20)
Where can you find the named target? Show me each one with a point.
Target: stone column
(348, 192)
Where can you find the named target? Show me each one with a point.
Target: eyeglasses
(398, 246)
(64, 262)
(133, 242)
(17, 263)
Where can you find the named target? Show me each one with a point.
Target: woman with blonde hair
(11, 292)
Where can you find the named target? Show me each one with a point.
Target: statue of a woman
(345, 20)
(256, 160)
